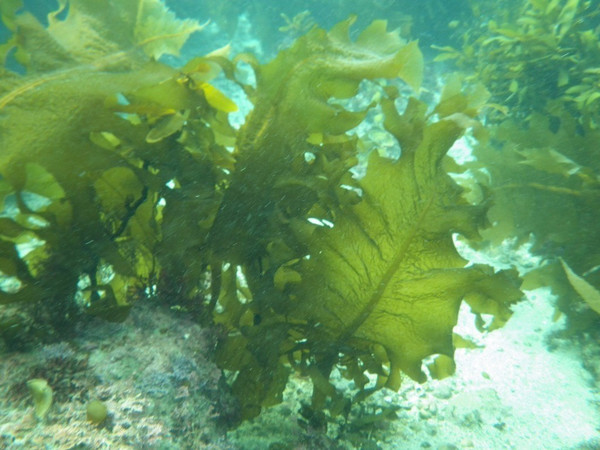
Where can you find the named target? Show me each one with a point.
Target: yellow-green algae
(96, 412)
(311, 268)
(42, 395)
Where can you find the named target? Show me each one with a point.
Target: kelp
(292, 107)
(359, 274)
(118, 183)
(547, 193)
(540, 62)
(510, 47)
(74, 134)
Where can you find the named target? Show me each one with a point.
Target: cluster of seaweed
(540, 59)
(122, 178)
(536, 56)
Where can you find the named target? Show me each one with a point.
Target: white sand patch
(512, 394)
(549, 393)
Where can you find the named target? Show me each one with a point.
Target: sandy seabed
(162, 391)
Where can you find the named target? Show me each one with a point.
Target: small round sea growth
(96, 412)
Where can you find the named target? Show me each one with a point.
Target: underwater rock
(427, 409)
(474, 408)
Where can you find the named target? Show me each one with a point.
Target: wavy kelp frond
(98, 33)
(361, 274)
(293, 160)
(322, 65)
(387, 274)
(86, 157)
(293, 107)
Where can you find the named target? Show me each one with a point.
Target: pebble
(447, 447)
(443, 392)
(427, 409)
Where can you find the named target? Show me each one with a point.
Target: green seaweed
(540, 59)
(83, 154)
(118, 183)
(42, 396)
(509, 47)
(96, 412)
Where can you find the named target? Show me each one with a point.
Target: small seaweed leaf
(567, 16)
(586, 291)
